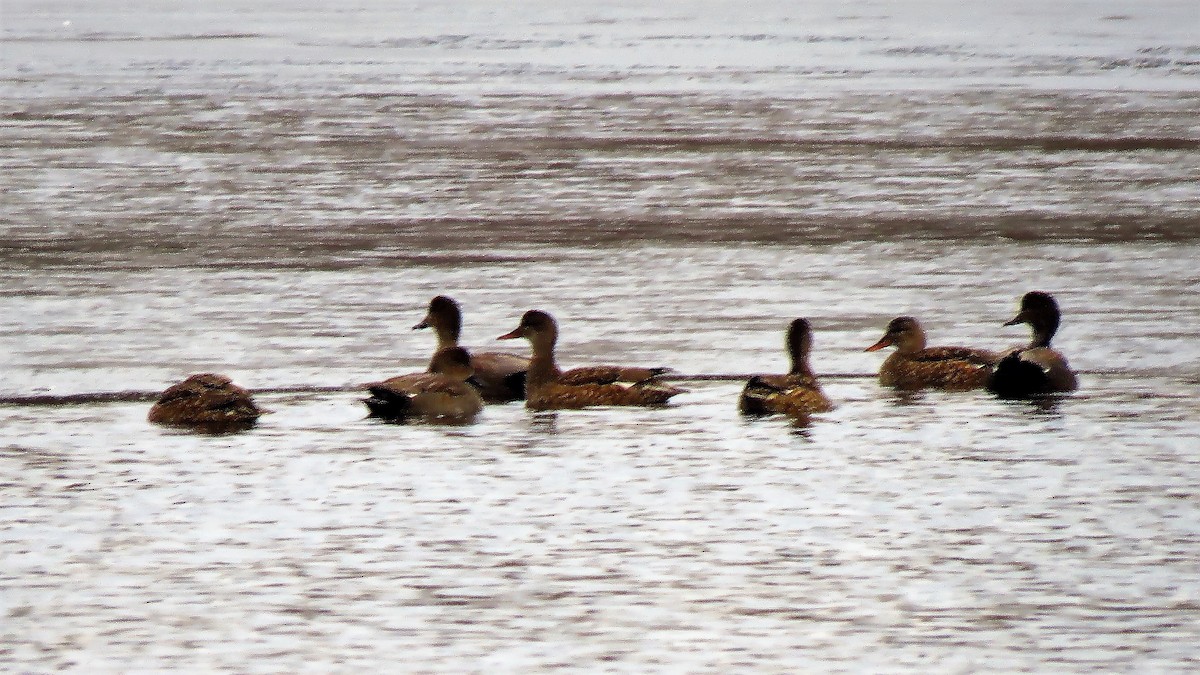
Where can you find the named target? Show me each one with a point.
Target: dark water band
(149, 396)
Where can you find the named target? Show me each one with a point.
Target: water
(275, 191)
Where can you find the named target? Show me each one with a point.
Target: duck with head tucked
(795, 394)
(1039, 368)
(915, 366)
(440, 395)
(206, 400)
(500, 376)
(549, 388)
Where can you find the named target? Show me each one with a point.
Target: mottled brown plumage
(441, 395)
(796, 393)
(609, 374)
(915, 366)
(1038, 368)
(596, 386)
(208, 400)
(500, 376)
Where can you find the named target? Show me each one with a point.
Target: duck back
(1025, 373)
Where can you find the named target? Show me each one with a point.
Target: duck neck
(447, 336)
(1043, 331)
(800, 365)
(542, 367)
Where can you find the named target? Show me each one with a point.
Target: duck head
(536, 326)
(904, 332)
(445, 318)
(453, 362)
(1040, 311)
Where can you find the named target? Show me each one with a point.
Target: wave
(458, 240)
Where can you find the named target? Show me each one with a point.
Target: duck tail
(754, 397)
(517, 381)
(388, 404)
(1014, 377)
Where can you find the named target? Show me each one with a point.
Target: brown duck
(500, 376)
(915, 366)
(205, 399)
(1038, 368)
(797, 393)
(440, 395)
(548, 388)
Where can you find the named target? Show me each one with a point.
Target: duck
(796, 393)
(500, 376)
(1037, 369)
(442, 394)
(205, 400)
(549, 388)
(915, 366)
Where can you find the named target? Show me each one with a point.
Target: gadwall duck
(548, 388)
(205, 399)
(797, 393)
(1038, 368)
(441, 394)
(915, 366)
(500, 376)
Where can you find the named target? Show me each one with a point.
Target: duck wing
(1030, 372)
(500, 376)
(609, 374)
(980, 357)
(786, 394)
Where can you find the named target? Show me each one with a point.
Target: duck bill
(423, 324)
(885, 341)
(516, 333)
(1023, 317)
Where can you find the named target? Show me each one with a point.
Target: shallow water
(276, 191)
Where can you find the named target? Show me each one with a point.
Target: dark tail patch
(1015, 377)
(754, 397)
(388, 404)
(516, 381)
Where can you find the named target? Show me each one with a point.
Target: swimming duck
(915, 366)
(205, 399)
(1038, 368)
(500, 376)
(797, 393)
(441, 394)
(548, 388)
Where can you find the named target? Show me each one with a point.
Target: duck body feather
(957, 368)
(500, 376)
(1035, 371)
(428, 396)
(205, 399)
(609, 374)
(443, 395)
(794, 395)
(559, 396)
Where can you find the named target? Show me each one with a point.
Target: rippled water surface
(275, 190)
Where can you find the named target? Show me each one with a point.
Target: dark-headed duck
(797, 393)
(1038, 368)
(500, 376)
